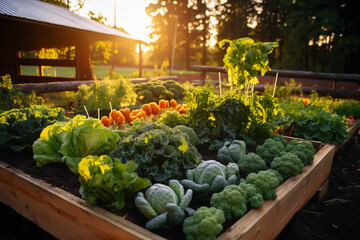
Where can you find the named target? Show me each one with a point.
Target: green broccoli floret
(279, 138)
(254, 198)
(146, 96)
(158, 90)
(287, 165)
(206, 223)
(265, 182)
(278, 175)
(175, 92)
(166, 95)
(269, 150)
(251, 163)
(231, 152)
(231, 200)
(303, 149)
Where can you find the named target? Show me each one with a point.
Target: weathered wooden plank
(268, 221)
(60, 213)
(70, 84)
(291, 74)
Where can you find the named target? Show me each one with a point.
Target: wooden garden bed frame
(67, 216)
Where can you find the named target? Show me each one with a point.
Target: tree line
(319, 36)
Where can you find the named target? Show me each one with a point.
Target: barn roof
(46, 13)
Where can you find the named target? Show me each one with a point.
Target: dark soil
(336, 216)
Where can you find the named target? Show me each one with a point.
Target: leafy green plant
(347, 108)
(162, 153)
(243, 59)
(11, 98)
(312, 122)
(71, 141)
(109, 180)
(19, 128)
(118, 92)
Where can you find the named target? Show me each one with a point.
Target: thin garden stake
(220, 84)
(110, 106)
(98, 113)
(87, 113)
(276, 78)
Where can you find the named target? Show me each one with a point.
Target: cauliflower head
(232, 201)
(269, 150)
(287, 165)
(206, 223)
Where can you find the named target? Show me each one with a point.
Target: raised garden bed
(65, 215)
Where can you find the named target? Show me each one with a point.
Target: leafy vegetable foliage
(161, 152)
(11, 98)
(19, 128)
(110, 181)
(70, 142)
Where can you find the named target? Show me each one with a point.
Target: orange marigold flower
(162, 104)
(120, 119)
(105, 121)
(135, 112)
(141, 114)
(147, 109)
(182, 110)
(113, 114)
(178, 107)
(167, 104)
(126, 113)
(173, 103)
(154, 108)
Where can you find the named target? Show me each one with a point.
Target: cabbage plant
(164, 205)
(210, 177)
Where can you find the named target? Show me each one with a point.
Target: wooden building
(31, 25)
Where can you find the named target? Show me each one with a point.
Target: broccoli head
(254, 198)
(269, 150)
(265, 182)
(231, 200)
(303, 149)
(287, 165)
(279, 138)
(158, 90)
(278, 175)
(206, 223)
(251, 163)
(146, 96)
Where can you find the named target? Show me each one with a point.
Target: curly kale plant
(162, 153)
(231, 152)
(164, 205)
(210, 177)
(269, 150)
(287, 165)
(231, 200)
(303, 149)
(206, 223)
(251, 163)
(111, 181)
(265, 182)
(254, 198)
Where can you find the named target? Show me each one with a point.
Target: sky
(130, 14)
